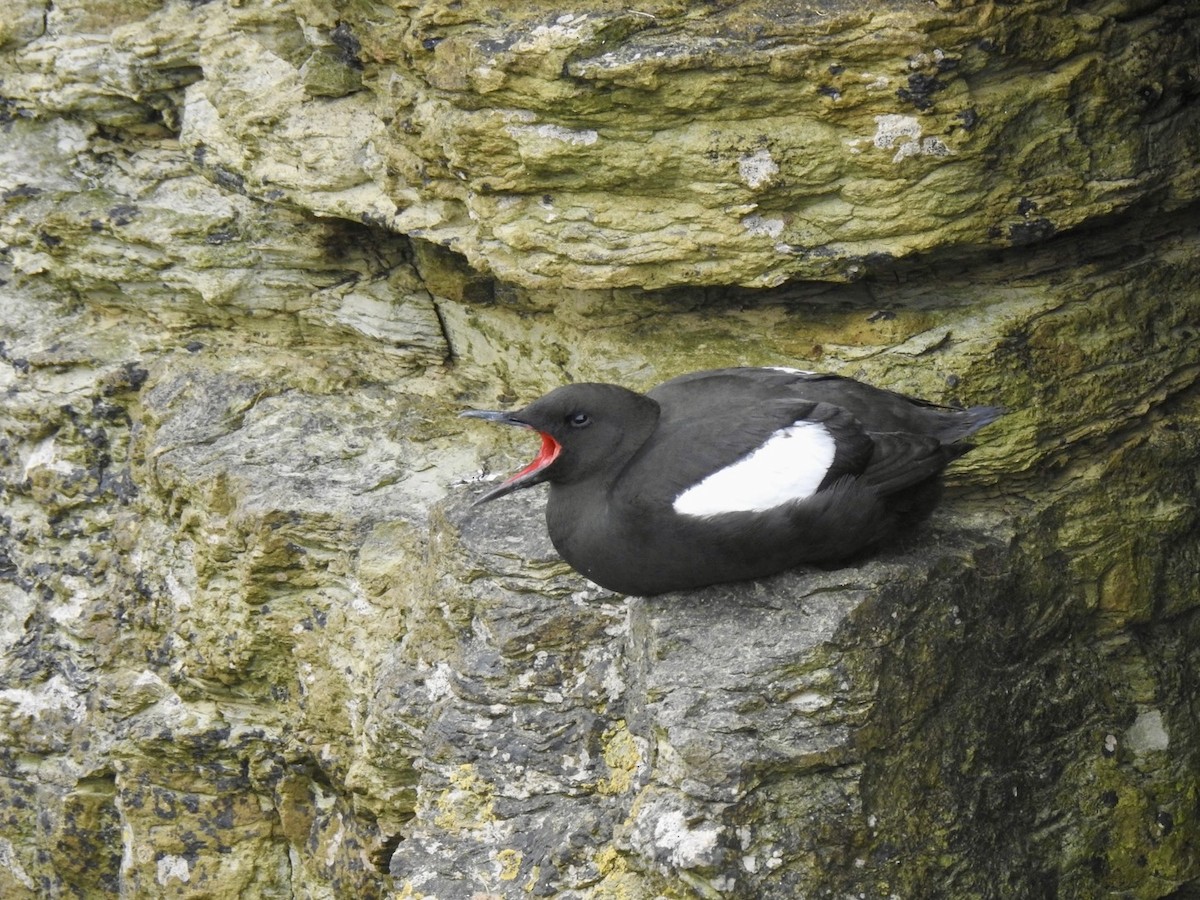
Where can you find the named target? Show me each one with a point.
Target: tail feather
(962, 423)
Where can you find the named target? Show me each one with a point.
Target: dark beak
(491, 415)
(532, 474)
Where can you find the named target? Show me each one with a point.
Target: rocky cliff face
(255, 256)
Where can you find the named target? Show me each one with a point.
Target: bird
(732, 474)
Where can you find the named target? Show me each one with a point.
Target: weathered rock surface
(253, 259)
(668, 145)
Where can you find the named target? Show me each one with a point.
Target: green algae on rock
(255, 257)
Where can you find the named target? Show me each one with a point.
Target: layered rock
(253, 641)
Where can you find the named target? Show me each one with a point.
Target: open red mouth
(546, 455)
(532, 473)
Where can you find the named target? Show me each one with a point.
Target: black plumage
(693, 483)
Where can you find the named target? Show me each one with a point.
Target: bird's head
(586, 430)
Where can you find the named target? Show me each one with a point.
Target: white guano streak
(790, 466)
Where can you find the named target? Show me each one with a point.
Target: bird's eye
(579, 420)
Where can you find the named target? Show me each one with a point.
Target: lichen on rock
(255, 257)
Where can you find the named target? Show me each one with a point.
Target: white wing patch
(789, 466)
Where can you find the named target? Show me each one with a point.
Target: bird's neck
(578, 509)
(638, 429)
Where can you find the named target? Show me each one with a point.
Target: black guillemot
(731, 474)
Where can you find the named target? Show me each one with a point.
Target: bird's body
(732, 474)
